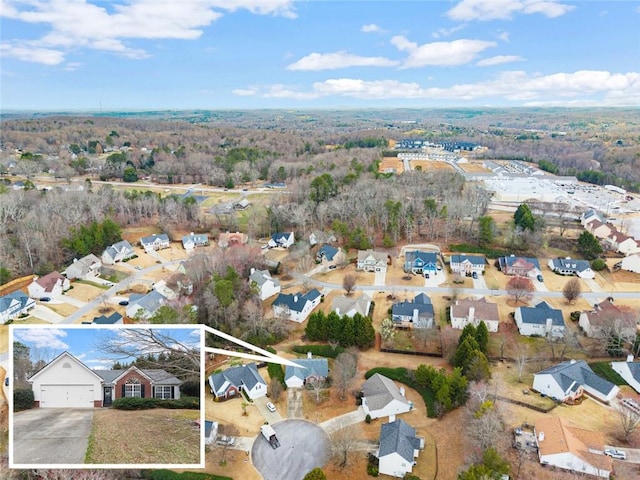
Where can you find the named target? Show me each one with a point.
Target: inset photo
(111, 397)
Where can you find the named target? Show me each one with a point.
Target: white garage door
(60, 396)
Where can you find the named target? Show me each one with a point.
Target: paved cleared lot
(303, 447)
(51, 436)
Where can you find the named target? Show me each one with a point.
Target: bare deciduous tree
(275, 389)
(629, 420)
(522, 358)
(344, 370)
(348, 283)
(343, 444)
(520, 289)
(572, 290)
(317, 385)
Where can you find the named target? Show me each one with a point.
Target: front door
(107, 396)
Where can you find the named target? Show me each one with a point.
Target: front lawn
(165, 437)
(604, 370)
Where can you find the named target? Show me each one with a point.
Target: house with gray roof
(607, 318)
(371, 261)
(320, 237)
(309, 369)
(351, 305)
(155, 242)
(399, 446)
(541, 320)
(521, 266)
(296, 306)
(567, 381)
(415, 314)
(281, 240)
(382, 398)
(145, 306)
(14, 304)
(193, 240)
(421, 263)
(629, 371)
(86, 268)
(590, 216)
(570, 266)
(467, 264)
(118, 252)
(114, 319)
(265, 285)
(244, 378)
(327, 253)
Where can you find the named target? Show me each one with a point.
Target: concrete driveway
(294, 403)
(51, 436)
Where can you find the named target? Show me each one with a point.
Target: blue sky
(49, 342)
(214, 54)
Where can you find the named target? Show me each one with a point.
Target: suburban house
(371, 261)
(318, 237)
(590, 216)
(242, 204)
(118, 252)
(349, 306)
(399, 446)
(145, 306)
(178, 284)
(309, 369)
(416, 314)
(282, 240)
(564, 445)
(66, 382)
(520, 266)
(629, 371)
(469, 311)
(382, 398)
(421, 263)
(86, 268)
(227, 384)
(605, 315)
(155, 242)
(569, 266)
(599, 229)
(296, 306)
(622, 243)
(262, 281)
(14, 304)
(541, 320)
(567, 381)
(229, 239)
(327, 253)
(631, 263)
(191, 241)
(51, 285)
(467, 264)
(114, 319)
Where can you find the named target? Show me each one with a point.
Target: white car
(271, 407)
(613, 453)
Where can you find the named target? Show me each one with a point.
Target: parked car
(332, 267)
(124, 303)
(613, 453)
(271, 407)
(6, 382)
(45, 299)
(539, 277)
(474, 275)
(225, 440)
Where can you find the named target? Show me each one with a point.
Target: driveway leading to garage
(51, 436)
(294, 403)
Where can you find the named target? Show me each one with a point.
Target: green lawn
(604, 370)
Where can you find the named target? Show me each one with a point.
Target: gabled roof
(163, 237)
(281, 237)
(118, 248)
(398, 437)
(634, 368)
(367, 255)
(566, 373)
(114, 318)
(318, 367)
(261, 277)
(149, 302)
(570, 264)
(421, 302)
(483, 310)
(50, 280)
(343, 304)
(473, 259)
(605, 312)
(246, 375)
(9, 298)
(84, 264)
(380, 391)
(426, 258)
(156, 376)
(296, 301)
(561, 436)
(527, 263)
(540, 313)
(196, 238)
(61, 357)
(328, 251)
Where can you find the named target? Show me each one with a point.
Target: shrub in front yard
(147, 403)
(170, 475)
(320, 350)
(190, 388)
(22, 399)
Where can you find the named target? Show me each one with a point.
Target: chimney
(572, 361)
(402, 391)
(295, 298)
(252, 271)
(541, 437)
(309, 355)
(338, 310)
(191, 233)
(472, 313)
(414, 319)
(549, 324)
(629, 358)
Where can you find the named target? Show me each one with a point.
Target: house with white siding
(382, 398)
(118, 252)
(570, 266)
(265, 285)
(605, 315)
(541, 320)
(469, 311)
(371, 261)
(629, 371)
(467, 264)
(229, 383)
(416, 314)
(296, 306)
(155, 242)
(631, 263)
(14, 304)
(399, 447)
(51, 285)
(307, 369)
(86, 268)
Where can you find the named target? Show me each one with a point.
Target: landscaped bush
(488, 252)
(276, 371)
(133, 403)
(169, 475)
(598, 264)
(320, 350)
(22, 399)
(190, 388)
(372, 470)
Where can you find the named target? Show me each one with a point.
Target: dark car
(474, 275)
(45, 299)
(6, 382)
(332, 267)
(539, 277)
(124, 303)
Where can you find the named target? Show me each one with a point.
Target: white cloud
(515, 86)
(342, 59)
(456, 52)
(445, 32)
(370, 28)
(245, 92)
(504, 36)
(42, 337)
(78, 23)
(468, 10)
(27, 53)
(498, 60)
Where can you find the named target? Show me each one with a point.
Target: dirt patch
(4, 338)
(63, 309)
(134, 234)
(430, 165)
(474, 167)
(84, 291)
(391, 164)
(158, 436)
